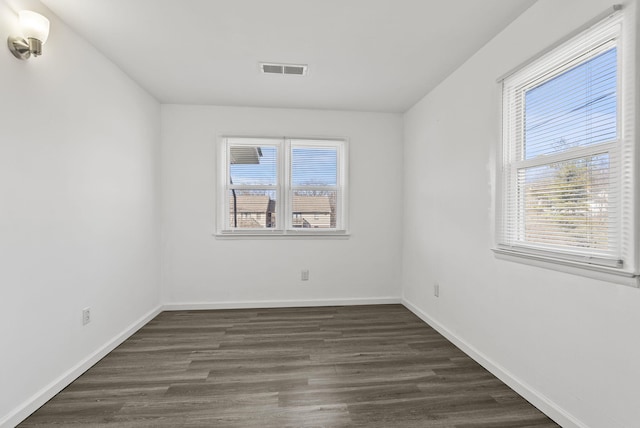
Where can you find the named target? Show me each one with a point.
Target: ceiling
(367, 55)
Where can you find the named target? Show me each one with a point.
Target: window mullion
(285, 184)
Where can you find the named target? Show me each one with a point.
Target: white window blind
(567, 159)
(315, 192)
(252, 191)
(280, 185)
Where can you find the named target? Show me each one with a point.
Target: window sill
(602, 273)
(264, 234)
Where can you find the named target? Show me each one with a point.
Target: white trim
(279, 234)
(34, 402)
(601, 273)
(283, 188)
(509, 240)
(264, 304)
(536, 398)
(532, 395)
(574, 153)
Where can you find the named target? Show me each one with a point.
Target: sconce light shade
(34, 26)
(35, 32)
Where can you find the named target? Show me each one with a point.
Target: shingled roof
(253, 203)
(311, 204)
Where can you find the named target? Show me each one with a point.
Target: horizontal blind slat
(561, 189)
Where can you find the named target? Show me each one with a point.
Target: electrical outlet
(436, 289)
(304, 274)
(86, 316)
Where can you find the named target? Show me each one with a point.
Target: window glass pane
(314, 166)
(314, 209)
(575, 108)
(568, 203)
(252, 209)
(253, 165)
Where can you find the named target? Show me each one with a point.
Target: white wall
(572, 339)
(79, 204)
(200, 269)
(79, 143)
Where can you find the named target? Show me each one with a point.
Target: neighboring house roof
(263, 204)
(311, 204)
(245, 155)
(252, 203)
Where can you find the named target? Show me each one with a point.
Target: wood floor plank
(356, 366)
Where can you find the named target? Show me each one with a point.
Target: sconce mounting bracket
(19, 47)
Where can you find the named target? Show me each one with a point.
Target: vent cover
(275, 68)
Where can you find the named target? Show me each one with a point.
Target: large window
(282, 186)
(568, 153)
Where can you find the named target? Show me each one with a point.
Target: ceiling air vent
(274, 68)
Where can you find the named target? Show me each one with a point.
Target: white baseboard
(259, 304)
(45, 394)
(532, 395)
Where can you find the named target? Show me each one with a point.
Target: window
(567, 159)
(282, 186)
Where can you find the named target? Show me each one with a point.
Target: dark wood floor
(355, 366)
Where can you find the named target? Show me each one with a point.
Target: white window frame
(284, 189)
(620, 28)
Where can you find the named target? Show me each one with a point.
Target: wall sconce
(35, 31)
